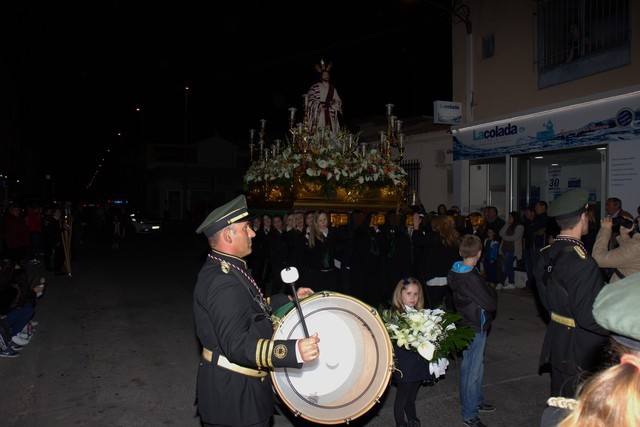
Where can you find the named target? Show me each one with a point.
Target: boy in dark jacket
(476, 302)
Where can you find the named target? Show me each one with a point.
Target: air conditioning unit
(444, 158)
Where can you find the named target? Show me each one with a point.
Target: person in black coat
(52, 241)
(440, 246)
(278, 253)
(568, 280)
(319, 254)
(397, 259)
(366, 279)
(411, 368)
(233, 324)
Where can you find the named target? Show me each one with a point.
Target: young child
(490, 251)
(476, 302)
(411, 368)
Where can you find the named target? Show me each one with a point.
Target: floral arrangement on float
(432, 334)
(312, 165)
(331, 163)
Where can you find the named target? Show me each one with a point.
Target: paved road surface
(116, 347)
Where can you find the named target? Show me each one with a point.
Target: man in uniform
(233, 324)
(568, 282)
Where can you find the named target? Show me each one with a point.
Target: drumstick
(290, 275)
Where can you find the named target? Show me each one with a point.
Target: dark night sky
(81, 67)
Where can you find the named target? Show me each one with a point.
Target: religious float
(325, 167)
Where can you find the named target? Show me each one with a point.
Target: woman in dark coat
(318, 257)
(440, 247)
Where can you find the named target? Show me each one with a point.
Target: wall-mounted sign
(447, 113)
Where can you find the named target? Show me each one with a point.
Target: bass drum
(355, 364)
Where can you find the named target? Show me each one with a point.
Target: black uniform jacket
(569, 291)
(230, 321)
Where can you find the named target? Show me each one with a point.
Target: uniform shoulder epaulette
(581, 253)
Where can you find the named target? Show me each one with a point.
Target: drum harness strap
(558, 318)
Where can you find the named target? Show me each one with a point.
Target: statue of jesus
(323, 103)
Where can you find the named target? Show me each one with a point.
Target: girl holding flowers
(411, 368)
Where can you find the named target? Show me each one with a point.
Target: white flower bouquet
(431, 333)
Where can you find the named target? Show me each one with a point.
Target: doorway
(546, 176)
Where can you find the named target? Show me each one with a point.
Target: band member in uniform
(233, 324)
(568, 281)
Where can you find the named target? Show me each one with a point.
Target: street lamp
(185, 181)
(139, 110)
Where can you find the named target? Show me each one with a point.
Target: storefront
(591, 143)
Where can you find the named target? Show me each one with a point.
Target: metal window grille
(602, 24)
(412, 166)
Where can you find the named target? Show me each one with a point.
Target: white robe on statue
(320, 118)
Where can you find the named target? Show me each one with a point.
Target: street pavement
(115, 346)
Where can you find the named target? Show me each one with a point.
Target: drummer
(233, 324)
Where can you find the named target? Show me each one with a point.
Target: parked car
(144, 223)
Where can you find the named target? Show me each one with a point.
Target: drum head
(355, 364)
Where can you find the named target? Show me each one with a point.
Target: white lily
(426, 350)
(439, 367)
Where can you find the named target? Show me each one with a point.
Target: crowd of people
(574, 264)
(365, 257)
(31, 235)
(47, 237)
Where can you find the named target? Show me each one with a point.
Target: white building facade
(537, 121)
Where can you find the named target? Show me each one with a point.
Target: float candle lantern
(364, 149)
(263, 123)
(252, 135)
(292, 111)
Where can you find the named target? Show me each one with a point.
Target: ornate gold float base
(313, 196)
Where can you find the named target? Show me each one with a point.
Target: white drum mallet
(290, 275)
